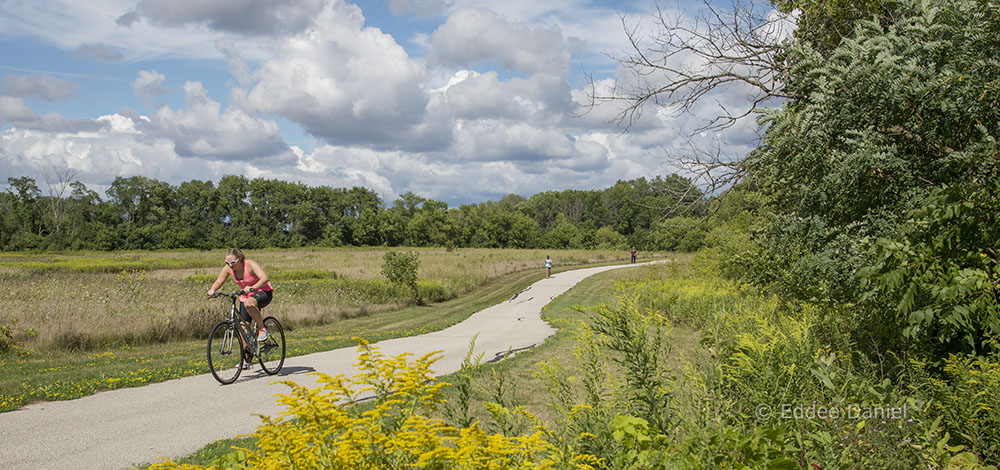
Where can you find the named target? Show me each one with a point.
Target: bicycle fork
(227, 342)
(247, 344)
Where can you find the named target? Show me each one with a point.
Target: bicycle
(227, 366)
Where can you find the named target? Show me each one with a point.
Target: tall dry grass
(87, 300)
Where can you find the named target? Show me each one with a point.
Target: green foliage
(965, 402)
(402, 269)
(606, 238)
(7, 342)
(825, 23)
(679, 233)
(457, 411)
(639, 340)
(878, 182)
(941, 271)
(235, 459)
(771, 354)
(564, 235)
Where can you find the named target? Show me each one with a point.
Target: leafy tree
(144, 213)
(490, 225)
(890, 107)
(510, 202)
(893, 113)
(606, 238)
(198, 203)
(825, 23)
(430, 225)
(357, 202)
(26, 195)
(83, 212)
(402, 268)
(564, 235)
(234, 213)
(408, 203)
(8, 217)
(679, 233)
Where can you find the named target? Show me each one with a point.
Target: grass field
(100, 329)
(85, 301)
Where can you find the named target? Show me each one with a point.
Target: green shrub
(434, 291)
(402, 268)
(966, 396)
(940, 273)
(639, 340)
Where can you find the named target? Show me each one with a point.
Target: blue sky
(455, 100)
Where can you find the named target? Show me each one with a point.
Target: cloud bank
(487, 109)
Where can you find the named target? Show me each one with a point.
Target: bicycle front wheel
(224, 353)
(272, 350)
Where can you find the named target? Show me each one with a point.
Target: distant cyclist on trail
(252, 279)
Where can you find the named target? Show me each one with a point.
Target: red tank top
(248, 281)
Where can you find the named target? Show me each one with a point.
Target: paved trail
(121, 428)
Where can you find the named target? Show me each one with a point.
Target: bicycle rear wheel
(224, 353)
(272, 350)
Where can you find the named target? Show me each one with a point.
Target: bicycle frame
(248, 341)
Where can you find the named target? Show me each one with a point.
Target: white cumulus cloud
(347, 84)
(474, 35)
(204, 130)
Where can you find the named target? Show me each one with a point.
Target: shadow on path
(284, 372)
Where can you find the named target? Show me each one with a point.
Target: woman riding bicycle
(253, 280)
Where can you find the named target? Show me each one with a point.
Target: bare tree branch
(684, 62)
(685, 59)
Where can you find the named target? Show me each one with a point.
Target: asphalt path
(133, 426)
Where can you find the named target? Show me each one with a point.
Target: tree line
(144, 213)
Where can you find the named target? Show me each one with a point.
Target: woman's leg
(251, 305)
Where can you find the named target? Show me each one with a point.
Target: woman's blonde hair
(235, 252)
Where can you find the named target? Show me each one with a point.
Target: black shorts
(263, 298)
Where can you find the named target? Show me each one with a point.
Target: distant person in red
(633, 254)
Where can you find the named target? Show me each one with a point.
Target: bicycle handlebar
(231, 295)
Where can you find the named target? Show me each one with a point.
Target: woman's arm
(219, 281)
(257, 271)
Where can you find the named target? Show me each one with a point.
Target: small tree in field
(401, 268)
